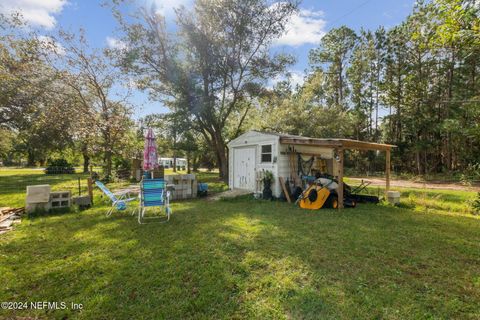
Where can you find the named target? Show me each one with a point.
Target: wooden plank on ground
(284, 188)
(6, 223)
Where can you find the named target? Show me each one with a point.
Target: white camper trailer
(168, 163)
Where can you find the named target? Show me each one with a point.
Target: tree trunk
(31, 158)
(195, 162)
(221, 152)
(418, 161)
(108, 163)
(447, 140)
(175, 148)
(86, 159)
(223, 164)
(86, 163)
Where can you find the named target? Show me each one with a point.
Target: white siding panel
(253, 139)
(280, 165)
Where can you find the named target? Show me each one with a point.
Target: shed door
(244, 168)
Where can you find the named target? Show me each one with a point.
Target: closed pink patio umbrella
(150, 157)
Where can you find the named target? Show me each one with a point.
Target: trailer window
(266, 153)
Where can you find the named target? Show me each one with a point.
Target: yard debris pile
(8, 217)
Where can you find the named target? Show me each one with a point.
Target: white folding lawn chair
(119, 200)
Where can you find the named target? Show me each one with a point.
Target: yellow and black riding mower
(321, 192)
(318, 196)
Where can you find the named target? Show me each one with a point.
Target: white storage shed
(253, 152)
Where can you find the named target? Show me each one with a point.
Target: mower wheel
(350, 203)
(313, 195)
(332, 201)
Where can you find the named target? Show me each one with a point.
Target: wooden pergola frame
(339, 145)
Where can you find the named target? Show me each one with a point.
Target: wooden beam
(340, 179)
(311, 142)
(284, 188)
(387, 171)
(363, 145)
(345, 143)
(307, 154)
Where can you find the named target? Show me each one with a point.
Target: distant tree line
(56, 99)
(415, 85)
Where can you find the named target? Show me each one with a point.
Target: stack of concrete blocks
(393, 197)
(185, 186)
(60, 199)
(83, 202)
(38, 198)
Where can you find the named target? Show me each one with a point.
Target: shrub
(121, 168)
(471, 174)
(59, 166)
(268, 175)
(475, 204)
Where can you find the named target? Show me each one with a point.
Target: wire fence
(12, 183)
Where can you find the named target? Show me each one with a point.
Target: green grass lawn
(450, 202)
(248, 259)
(14, 182)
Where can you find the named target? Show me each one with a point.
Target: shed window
(266, 153)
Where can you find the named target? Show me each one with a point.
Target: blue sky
(305, 30)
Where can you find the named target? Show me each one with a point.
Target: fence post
(90, 189)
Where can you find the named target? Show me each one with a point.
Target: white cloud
(113, 43)
(35, 12)
(295, 77)
(305, 27)
(166, 7)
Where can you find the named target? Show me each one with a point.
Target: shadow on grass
(247, 259)
(15, 184)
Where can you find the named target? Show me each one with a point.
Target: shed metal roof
(329, 142)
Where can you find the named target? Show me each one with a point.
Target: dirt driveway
(421, 185)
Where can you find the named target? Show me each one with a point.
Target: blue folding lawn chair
(153, 193)
(119, 200)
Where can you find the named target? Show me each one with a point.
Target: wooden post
(284, 188)
(387, 171)
(90, 189)
(340, 179)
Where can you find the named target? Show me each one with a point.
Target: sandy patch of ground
(420, 185)
(229, 194)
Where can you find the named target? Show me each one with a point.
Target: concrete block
(38, 194)
(37, 207)
(38, 198)
(60, 199)
(194, 188)
(393, 197)
(82, 201)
